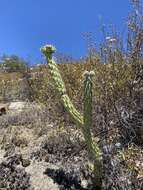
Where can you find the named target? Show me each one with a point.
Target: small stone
(118, 145)
(84, 183)
(25, 162)
(2, 184)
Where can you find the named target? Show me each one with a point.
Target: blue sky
(26, 25)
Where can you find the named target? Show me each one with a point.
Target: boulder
(3, 109)
(17, 106)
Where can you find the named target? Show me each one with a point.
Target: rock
(13, 176)
(84, 183)
(17, 106)
(38, 179)
(9, 149)
(2, 185)
(25, 162)
(3, 109)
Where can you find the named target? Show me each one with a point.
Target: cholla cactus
(93, 148)
(85, 121)
(48, 50)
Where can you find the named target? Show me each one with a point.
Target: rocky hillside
(41, 148)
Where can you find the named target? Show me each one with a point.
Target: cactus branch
(93, 148)
(71, 109)
(48, 50)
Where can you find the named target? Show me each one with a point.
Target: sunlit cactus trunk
(93, 149)
(48, 50)
(85, 121)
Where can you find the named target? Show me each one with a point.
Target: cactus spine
(85, 121)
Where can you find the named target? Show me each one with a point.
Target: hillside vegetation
(41, 147)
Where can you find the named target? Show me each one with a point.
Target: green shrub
(13, 64)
